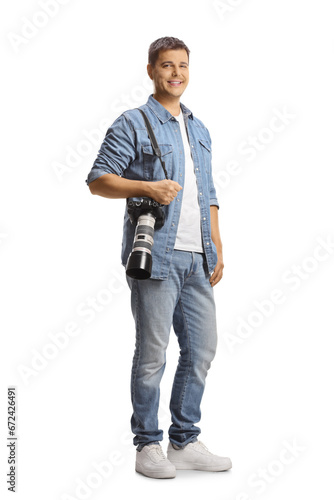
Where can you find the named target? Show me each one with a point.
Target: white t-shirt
(188, 236)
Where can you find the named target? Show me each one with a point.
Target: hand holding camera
(164, 191)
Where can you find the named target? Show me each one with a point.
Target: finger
(213, 277)
(216, 276)
(216, 280)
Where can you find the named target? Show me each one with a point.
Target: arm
(114, 186)
(215, 236)
(116, 154)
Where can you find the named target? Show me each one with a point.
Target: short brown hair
(165, 43)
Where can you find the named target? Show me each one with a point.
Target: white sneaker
(151, 462)
(196, 456)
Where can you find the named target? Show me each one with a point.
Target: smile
(174, 83)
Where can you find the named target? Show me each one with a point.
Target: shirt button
(192, 145)
(200, 194)
(196, 168)
(204, 218)
(207, 243)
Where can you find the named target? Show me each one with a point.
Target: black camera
(147, 215)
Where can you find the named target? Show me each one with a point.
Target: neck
(172, 105)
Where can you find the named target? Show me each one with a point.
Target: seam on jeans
(200, 263)
(190, 359)
(191, 268)
(138, 342)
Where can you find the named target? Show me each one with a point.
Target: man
(187, 260)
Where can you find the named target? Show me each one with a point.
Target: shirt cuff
(94, 174)
(214, 201)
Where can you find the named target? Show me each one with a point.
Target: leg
(194, 323)
(153, 303)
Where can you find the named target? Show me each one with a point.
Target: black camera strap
(153, 140)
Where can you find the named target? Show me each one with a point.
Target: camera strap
(153, 140)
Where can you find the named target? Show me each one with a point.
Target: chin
(177, 93)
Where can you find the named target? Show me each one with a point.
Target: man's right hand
(164, 191)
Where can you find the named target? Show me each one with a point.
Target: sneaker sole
(208, 468)
(155, 474)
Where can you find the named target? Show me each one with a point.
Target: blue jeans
(185, 301)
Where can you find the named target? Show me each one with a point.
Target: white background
(60, 247)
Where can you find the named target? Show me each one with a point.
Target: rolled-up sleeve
(213, 194)
(117, 150)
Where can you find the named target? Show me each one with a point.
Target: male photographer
(187, 260)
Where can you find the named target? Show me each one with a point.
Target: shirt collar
(162, 112)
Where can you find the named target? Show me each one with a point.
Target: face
(170, 73)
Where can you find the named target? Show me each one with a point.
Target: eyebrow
(171, 62)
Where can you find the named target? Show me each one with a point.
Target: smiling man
(186, 254)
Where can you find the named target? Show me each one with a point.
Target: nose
(176, 72)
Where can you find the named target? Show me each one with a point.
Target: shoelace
(155, 448)
(201, 445)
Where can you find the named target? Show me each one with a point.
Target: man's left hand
(217, 273)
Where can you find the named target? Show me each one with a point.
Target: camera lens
(139, 264)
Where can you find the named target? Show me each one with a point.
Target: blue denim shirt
(126, 151)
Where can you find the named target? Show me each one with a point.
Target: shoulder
(198, 123)
(135, 118)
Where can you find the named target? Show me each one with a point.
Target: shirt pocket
(152, 167)
(205, 158)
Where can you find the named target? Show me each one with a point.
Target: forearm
(114, 186)
(217, 274)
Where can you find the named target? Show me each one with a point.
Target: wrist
(219, 253)
(146, 188)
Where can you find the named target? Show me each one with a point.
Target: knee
(203, 359)
(151, 367)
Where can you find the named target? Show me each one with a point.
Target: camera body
(139, 206)
(147, 215)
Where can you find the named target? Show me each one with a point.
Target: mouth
(175, 83)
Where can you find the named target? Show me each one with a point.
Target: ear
(150, 71)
